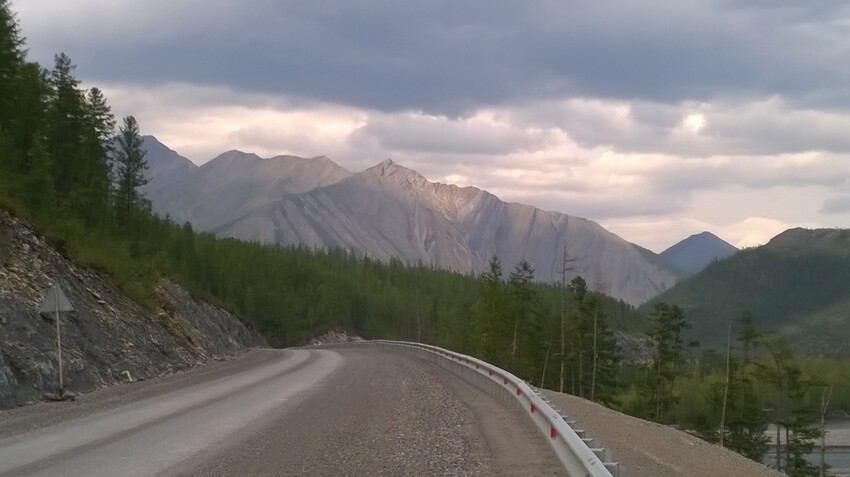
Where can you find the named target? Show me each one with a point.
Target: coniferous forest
(74, 170)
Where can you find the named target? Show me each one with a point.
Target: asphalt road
(348, 411)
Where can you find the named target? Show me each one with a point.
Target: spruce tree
(11, 62)
(130, 173)
(667, 324)
(65, 129)
(524, 307)
(96, 185)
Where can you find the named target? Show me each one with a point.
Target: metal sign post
(55, 302)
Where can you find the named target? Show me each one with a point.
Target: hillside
(391, 211)
(696, 252)
(108, 335)
(799, 283)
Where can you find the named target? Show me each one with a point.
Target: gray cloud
(836, 205)
(448, 57)
(442, 135)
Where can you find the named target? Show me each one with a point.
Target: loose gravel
(648, 449)
(384, 414)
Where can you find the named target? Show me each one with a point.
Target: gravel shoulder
(648, 449)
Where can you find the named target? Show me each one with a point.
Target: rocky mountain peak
(392, 171)
(232, 156)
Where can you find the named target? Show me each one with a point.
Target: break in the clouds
(659, 119)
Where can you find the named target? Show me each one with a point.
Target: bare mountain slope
(165, 166)
(236, 183)
(391, 211)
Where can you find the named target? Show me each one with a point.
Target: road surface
(344, 411)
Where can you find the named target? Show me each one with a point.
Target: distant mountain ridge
(389, 210)
(235, 183)
(694, 253)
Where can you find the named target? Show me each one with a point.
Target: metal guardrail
(572, 447)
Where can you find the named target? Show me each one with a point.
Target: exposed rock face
(391, 211)
(235, 184)
(108, 333)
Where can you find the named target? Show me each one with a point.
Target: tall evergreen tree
(65, 128)
(492, 320)
(11, 62)
(39, 182)
(130, 173)
(97, 146)
(793, 416)
(580, 330)
(604, 376)
(525, 301)
(667, 324)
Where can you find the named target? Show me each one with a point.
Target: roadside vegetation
(62, 168)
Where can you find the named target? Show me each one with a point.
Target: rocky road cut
(342, 411)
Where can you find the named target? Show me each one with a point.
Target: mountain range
(389, 210)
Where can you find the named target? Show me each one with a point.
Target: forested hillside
(799, 283)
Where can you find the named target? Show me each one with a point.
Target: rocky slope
(109, 338)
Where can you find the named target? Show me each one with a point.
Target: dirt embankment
(109, 338)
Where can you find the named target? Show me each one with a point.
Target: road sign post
(55, 302)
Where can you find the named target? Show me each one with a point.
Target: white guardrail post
(571, 446)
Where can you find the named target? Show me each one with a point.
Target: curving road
(342, 411)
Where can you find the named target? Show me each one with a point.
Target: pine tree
(65, 128)
(604, 382)
(524, 301)
(491, 316)
(11, 66)
(11, 63)
(97, 145)
(793, 416)
(130, 173)
(581, 338)
(39, 182)
(667, 324)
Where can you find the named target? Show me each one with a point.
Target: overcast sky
(657, 119)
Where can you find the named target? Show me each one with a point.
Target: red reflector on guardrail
(533, 408)
(517, 391)
(552, 432)
(506, 381)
